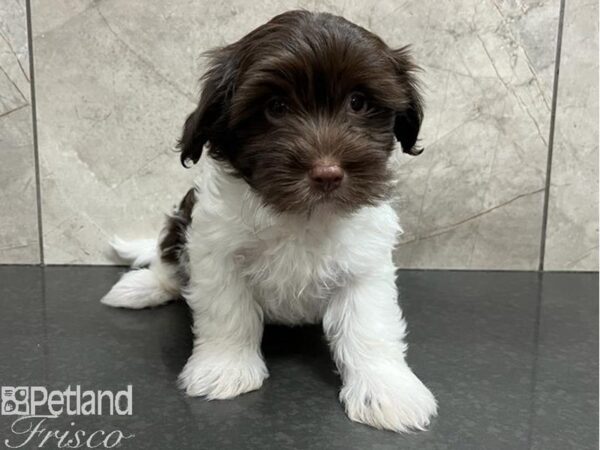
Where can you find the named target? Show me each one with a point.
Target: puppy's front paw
(395, 400)
(222, 376)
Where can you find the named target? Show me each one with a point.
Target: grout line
(535, 361)
(45, 347)
(35, 133)
(551, 135)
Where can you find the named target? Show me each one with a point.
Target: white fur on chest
(293, 271)
(292, 264)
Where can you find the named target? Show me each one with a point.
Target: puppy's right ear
(208, 123)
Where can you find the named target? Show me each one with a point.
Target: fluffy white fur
(137, 253)
(248, 266)
(142, 288)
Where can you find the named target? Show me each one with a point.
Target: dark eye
(277, 108)
(358, 102)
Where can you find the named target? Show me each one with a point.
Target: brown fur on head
(304, 91)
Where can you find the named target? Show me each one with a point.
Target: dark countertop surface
(512, 358)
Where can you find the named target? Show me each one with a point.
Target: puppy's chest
(293, 275)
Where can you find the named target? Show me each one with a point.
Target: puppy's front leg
(365, 329)
(226, 359)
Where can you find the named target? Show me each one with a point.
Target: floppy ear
(208, 123)
(408, 120)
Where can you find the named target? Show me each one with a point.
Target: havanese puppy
(290, 219)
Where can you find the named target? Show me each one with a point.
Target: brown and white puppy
(290, 220)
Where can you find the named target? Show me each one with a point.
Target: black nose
(326, 176)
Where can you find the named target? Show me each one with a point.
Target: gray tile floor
(512, 358)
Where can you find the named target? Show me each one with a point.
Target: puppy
(289, 220)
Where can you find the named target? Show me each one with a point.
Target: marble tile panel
(572, 233)
(18, 216)
(474, 199)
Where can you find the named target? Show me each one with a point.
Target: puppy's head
(306, 109)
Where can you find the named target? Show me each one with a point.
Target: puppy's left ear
(409, 118)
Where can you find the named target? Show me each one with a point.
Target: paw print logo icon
(14, 401)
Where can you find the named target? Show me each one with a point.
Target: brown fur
(173, 242)
(314, 62)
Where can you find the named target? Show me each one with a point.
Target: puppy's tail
(144, 288)
(160, 266)
(150, 284)
(137, 253)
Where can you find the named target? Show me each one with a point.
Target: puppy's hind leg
(167, 263)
